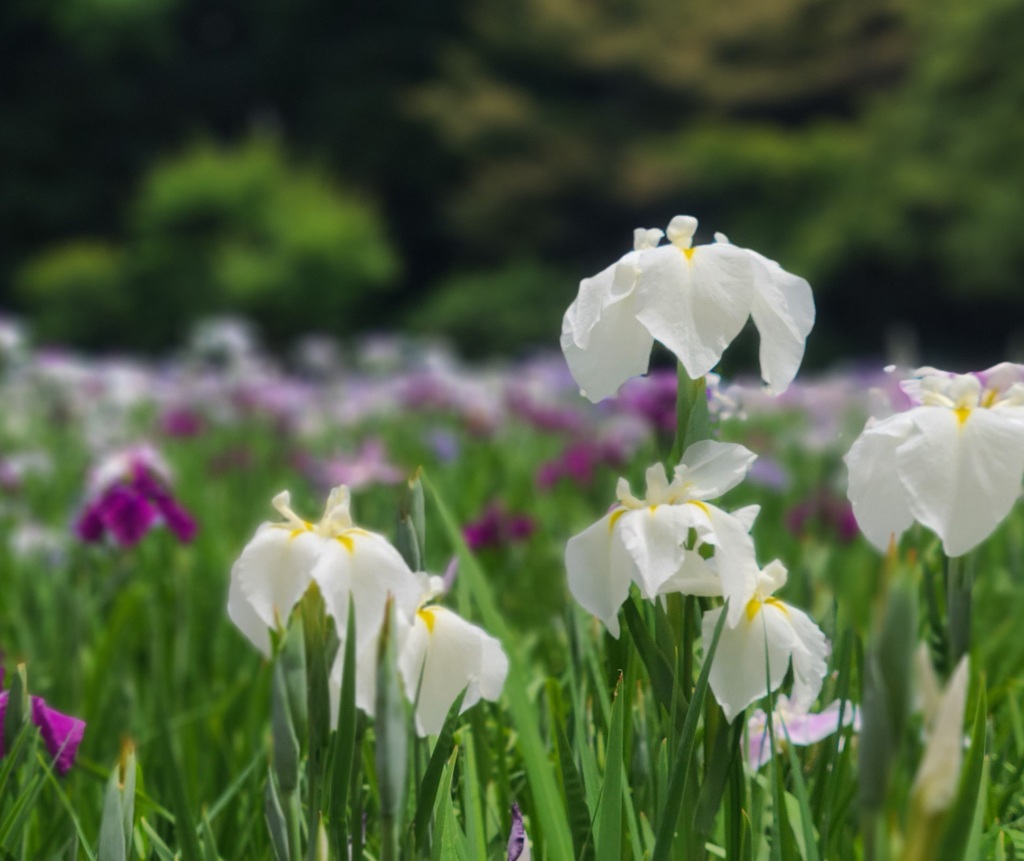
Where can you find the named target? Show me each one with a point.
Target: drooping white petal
(962, 473)
(695, 301)
(246, 619)
(879, 500)
(734, 560)
(713, 467)
(654, 538)
(694, 577)
(442, 655)
(616, 347)
(751, 658)
(810, 656)
(600, 569)
(783, 311)
(273, 572)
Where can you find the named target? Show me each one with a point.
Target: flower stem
(693, 422)
(959, 582)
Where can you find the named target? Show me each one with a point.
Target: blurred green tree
(214, 230)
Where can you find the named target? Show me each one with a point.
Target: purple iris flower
(129, 495)
(61, 733)
(518, 847)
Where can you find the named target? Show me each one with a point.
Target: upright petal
(879, 499)
(694, 577)
(695, 301)
(600, 569)
(980, 460)
(710, 468)
(617, 347)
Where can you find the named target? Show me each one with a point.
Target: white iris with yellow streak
(657, 542)
(953, 462)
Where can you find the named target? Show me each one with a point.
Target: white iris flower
(645, 541)
(694, 300)
(285, 558)
(953, 463)
(755, 651)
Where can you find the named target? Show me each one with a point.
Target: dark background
(457, 166)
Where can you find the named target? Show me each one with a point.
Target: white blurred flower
(694, 300)
(754, 652)
(953, 463)
(643, 541)
(938, 775)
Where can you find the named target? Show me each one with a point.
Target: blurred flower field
(130, 488)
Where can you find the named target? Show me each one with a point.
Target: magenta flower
(578, 462)
(832, 512)
(497, 527)
(61, 733)
(129, 495)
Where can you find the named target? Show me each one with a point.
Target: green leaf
(669, 813)
(410, 535)
(809, 843)
(609, 820)
(576, 800)
(276, 822)
(343, 759)
(427, 793)
(658, 666)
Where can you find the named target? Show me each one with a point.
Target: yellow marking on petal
(962, 413)
(689, 253)
(779, 605)
(345, 540)
(427, 615)
(700, 505)
(616, 514)
(753, 608)
(299, 531)
(989, 397)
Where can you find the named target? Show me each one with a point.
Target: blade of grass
(609, 819)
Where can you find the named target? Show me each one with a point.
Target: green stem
(693, 422)
(959, 582)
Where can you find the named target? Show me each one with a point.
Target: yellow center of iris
(427, 615)
(689, 253)
(754, 607)
(962, 413)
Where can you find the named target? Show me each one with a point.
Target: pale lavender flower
(368, 466)
(795, 726)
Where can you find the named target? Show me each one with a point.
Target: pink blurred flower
(578, 463)
(370, 465)
(828, 510)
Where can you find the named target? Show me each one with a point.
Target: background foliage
(872, 147)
